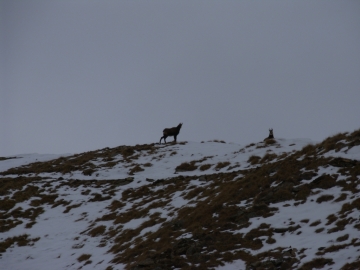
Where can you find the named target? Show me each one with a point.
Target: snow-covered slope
(285, 204)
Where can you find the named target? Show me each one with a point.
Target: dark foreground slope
(264, 206)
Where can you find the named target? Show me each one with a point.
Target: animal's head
(271, 132)
(180, 125)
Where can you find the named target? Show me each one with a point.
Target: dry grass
(270, 141)
(99, 230)
(324, 198)
(342, 238)
(83, 162)
(317, 263)
(213, 213)
(135, 169)
(254, 160)
(315, 223)
(221, 165)
(84, 257)
(186, 166)
(217, 141)
(268, 157)
(205, 167)
(21, 240)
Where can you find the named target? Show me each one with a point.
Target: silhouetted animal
(271, 134)
(171, 132)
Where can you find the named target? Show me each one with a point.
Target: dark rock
(280, 230)
(324, 181)
(343, 162)
(202, 178)
(181, 247)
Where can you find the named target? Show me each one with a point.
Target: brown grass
(270, 141)
(205, 167)
(186, 166)
(221, 165)
(342, 238)
(135, 169)
(317, 263)
(254, 160)
(21, 240)
(268, 157)
(83, 162)
(99, 230)
(84, 257)
(324, 198)
(209, 221)
(315, 223)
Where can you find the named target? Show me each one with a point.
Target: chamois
(271, 134)
(174, 131)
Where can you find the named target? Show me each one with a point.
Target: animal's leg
(161, 139)
(175, 138)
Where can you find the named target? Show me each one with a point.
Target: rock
(324, 181)
(122, 182)
(183, 246)
(280, 230)
(255, 264)
(202, 178)
(343, 162)
(287, 254)
(278, 262)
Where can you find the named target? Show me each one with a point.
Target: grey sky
(83, 75)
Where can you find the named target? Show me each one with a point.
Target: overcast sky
(82, 75)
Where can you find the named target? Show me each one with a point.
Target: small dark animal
(171, 132)
(271, 134)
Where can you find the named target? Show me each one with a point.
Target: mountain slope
(278, 204)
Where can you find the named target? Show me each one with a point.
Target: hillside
(278, 204)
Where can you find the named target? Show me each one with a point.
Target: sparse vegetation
(84, 257)
(324, 198)
(270, 141)
(221, 165)
(217, 141)
(21, 240)
(200, 232)
(99, 230)
(186, 166)
(135, 169)
(254, 160)
(205, 167)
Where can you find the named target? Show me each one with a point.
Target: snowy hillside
(278, 204)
